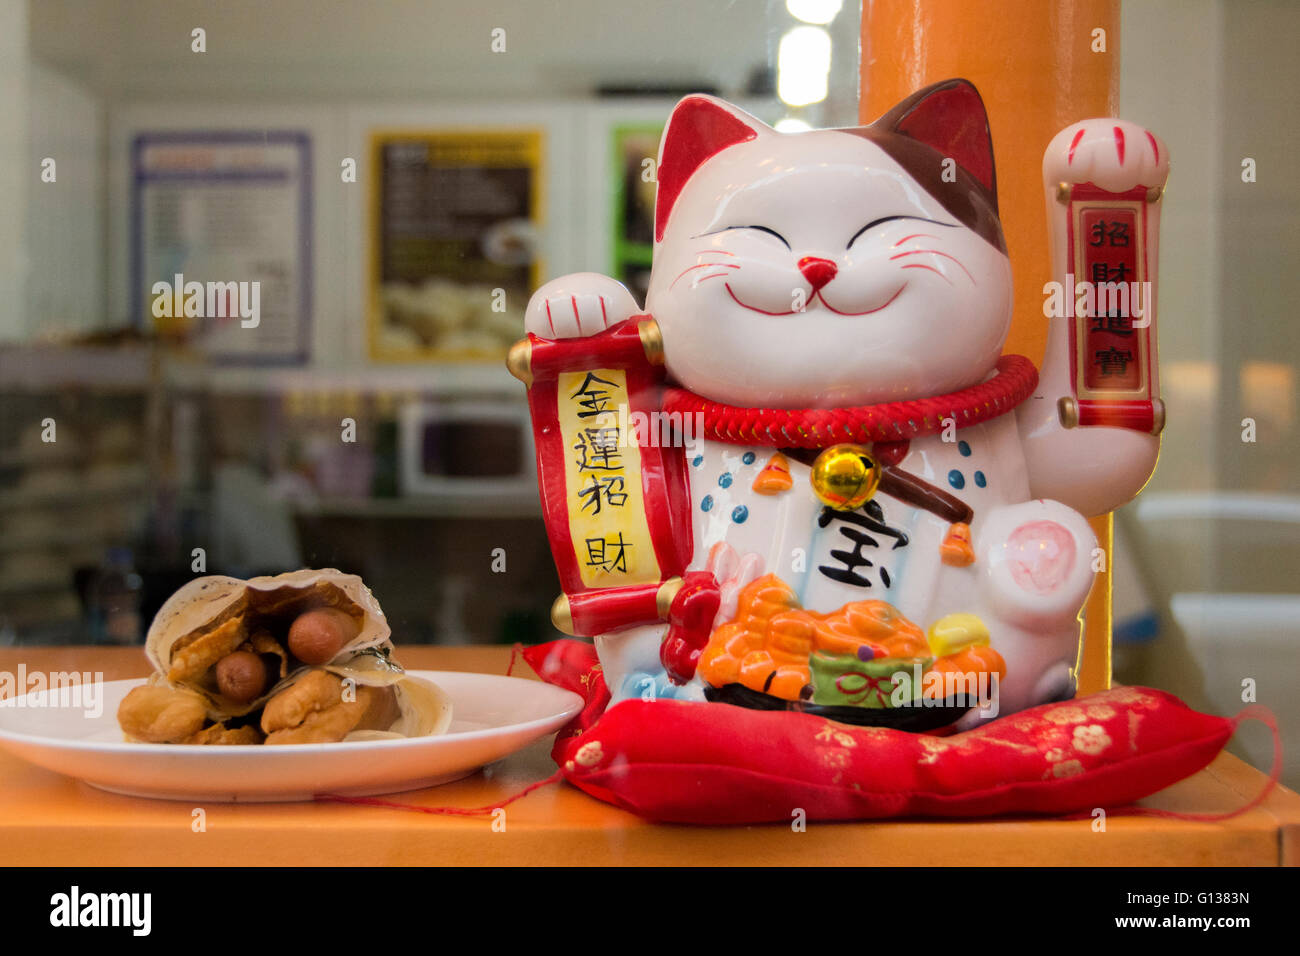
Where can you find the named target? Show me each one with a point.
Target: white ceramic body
(906, 302)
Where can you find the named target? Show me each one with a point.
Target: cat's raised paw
(1110, 153)
(578, 305)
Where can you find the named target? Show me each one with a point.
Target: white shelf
(62, 538)
(81, 493)
(459, 378)
(45, 457)
(434, 506)
(35, 368)
(32, 368)
(37, 586)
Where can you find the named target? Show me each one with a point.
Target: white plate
(492, 717)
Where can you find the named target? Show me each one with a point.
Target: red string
(445, 811)
(1014, 382)
(1253, 712)
(515, 653)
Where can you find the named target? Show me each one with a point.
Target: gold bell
(845, 477)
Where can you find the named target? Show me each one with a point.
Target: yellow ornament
(956, 632)
(844, 477)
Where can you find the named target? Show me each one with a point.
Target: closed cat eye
(772, 232)
(884, 219)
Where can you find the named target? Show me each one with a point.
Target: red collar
(1013, 382)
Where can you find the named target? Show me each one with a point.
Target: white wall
(14, 171)
(337, 69)
(65, 218)
(425, 50)
(1217, 80)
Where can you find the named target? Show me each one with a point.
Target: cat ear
(700, 127)
(949, 117)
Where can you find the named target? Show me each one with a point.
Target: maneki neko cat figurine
(857, 505)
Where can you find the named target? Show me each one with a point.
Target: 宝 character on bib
(805, 476)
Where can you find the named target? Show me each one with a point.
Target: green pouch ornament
(847, 680)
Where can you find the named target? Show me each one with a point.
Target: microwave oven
(479, 447)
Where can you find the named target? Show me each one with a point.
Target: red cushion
(685, 762)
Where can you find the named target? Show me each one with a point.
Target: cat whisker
(915, 235)
(917, 265)
(936, 252)
(702, 265)
(716, 275)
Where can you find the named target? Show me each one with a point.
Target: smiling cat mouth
(817, 296)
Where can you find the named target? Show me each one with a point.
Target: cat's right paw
(577, 305)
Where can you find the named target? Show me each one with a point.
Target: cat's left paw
(1110, 153)
(1038, 563)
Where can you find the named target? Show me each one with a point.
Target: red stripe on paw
(1069, 159)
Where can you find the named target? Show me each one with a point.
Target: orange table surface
(48, 819)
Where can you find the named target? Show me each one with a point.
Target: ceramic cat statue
(805, 476)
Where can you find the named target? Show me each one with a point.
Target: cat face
(815, 270)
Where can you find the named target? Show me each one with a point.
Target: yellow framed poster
(455, 218)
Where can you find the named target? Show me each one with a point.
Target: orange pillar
(1033, 62)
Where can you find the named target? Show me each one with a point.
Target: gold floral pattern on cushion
(589, 755)
(1068, 736)
(1067, 714)
(1091, 739)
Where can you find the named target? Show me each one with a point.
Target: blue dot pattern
(980, 480)
(964, 448)
(956, 479)
(706, 502)
(698, 460)
(739, 514)
(724, 480)
(748, 458)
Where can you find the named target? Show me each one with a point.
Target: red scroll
(611, 471)
(1112, 321)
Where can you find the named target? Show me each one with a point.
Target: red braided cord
(1015, 381)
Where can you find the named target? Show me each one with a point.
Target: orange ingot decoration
(767, 645)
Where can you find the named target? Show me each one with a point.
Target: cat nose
(817, 271)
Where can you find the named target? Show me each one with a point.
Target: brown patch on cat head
(945, 121)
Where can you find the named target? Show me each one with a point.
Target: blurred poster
(221, 241)
(453, 242)
(635, 149)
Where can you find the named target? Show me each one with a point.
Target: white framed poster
(454, 243)
(221, 227)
